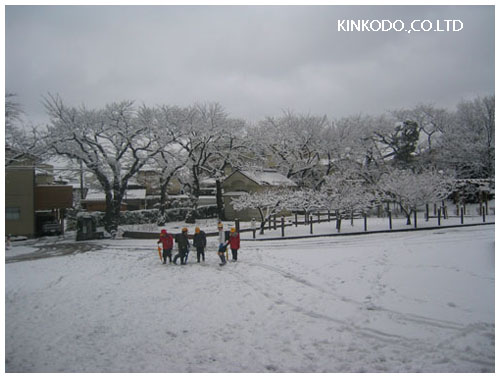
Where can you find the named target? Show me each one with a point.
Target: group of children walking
(231, 239)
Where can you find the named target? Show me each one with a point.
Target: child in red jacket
(234, 243)
(167, 240)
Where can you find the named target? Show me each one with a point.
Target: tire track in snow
(345, 325)
(385, 336)
(411, 344)
(403, 316)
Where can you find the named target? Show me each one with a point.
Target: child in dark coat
(183, 244)
(200, 242)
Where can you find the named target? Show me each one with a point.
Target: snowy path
(418, 302)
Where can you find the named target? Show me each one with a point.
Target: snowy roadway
(408, 302)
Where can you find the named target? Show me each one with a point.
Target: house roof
(267, 177)
(234, 194)
(208, 182)
(135, 194)
(75, 184)
(130, 194)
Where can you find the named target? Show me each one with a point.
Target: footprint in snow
(271, 368)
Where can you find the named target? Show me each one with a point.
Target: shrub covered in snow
(179, 202)
(179, 214)
(147, 216)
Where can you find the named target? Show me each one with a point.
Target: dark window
(12, 213)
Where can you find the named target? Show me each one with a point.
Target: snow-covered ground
(402, 302)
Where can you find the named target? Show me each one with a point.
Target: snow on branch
(411, 190)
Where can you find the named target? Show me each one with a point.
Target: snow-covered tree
(113, 143)
(468, 144)
(306, 200)
(13, 110)
(411, 190)
(399, 142)
(170, 164)
(231, 150)
(208, 138)
(21, 138)
(430, 120)
(347, 148)
(291, 142)
(166, 122)
(268, 203)
(21, 142)
(345, 196)
(431, 123)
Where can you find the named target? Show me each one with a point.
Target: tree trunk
(262, 225)
(194, 196)
(262, 222)
(163, 199)
(112, 214)
(220, 203)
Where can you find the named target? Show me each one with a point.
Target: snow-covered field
(404, 302)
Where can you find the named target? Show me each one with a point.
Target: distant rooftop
(94, 195)
(268, 177)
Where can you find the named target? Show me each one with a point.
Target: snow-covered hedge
(179, 214)
(147, 216)
(139, 216)
(179, 202)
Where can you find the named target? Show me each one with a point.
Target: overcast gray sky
(255, 60)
